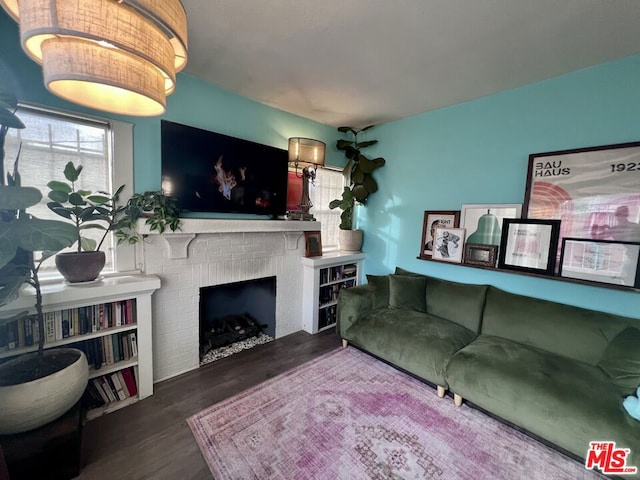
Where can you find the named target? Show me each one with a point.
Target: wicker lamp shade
(121, 57)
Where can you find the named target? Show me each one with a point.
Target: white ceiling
(355, 62)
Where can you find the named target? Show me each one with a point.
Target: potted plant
(361, 184)
(86, 210)
(161, 212)
(35, 388)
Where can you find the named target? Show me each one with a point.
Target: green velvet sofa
(556, 371)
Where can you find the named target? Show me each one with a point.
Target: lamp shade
(306, 151)
(106, 54)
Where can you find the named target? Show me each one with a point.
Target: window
(329, 185)
(53, 138)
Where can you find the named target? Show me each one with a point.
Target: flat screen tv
(214, 173)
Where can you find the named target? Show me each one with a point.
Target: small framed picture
(603, 261)
(312, 244)
(448, 244)
(529, 245)
(483, 223)
(480, 255)
(432, 220)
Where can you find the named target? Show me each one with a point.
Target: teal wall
(195, 102)
(477, 152)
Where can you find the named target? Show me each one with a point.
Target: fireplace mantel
(178, 242)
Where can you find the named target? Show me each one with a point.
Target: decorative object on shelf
(484, 222)
(161, 212)
(480, 255)
(86, 210)
(127, 65)
(448, 244)
(312, 244)
(305, 155)
(432, 220)
(593, 191)
(361, 184)
(529, 245)
(602, 261)
(21, 390)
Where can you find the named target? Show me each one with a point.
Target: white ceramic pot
(30, 405)
(350, 241)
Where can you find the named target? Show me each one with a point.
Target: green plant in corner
(161, 213)
(358, 171)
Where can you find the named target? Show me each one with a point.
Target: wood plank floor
(151, 439)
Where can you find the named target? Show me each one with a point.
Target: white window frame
(120, 147)
(333, 247)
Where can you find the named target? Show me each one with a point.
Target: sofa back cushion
(408, 292)
(572, 332)
(621, 359)
(380, 284)
(458, 302)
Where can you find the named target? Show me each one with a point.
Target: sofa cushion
(407, 292)
(621, 360)
(380, 283)
(539, 391)
(573, 332)
(416, 342)
(459, 302)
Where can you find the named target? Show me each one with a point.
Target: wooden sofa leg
(344, 343)
(457, 400)
(441, 391)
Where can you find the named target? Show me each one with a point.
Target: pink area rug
(349, 416)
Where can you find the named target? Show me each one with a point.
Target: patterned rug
(349, 416)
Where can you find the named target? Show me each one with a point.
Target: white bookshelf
(62, 296)
(323, 278)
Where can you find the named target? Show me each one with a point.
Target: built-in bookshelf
(323, 279)
(109, 320)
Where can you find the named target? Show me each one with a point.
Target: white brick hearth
(214, 252)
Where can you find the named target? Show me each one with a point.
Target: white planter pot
(350, 241)
(30, 405)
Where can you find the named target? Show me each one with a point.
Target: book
(98, 386)
(108, 388)
(21, 332)
(64, 320)
(130, 381)
(115, 340)
(123, 383)
(118, 386)
(57, 323)
(134, 344)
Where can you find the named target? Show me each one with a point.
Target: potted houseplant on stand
(361, 184)
(86, 210)
(39, 387)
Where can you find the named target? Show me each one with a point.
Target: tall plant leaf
(36, 235)
(18, 198)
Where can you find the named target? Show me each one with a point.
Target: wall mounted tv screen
(210, 172)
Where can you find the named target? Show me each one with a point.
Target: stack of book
(108, 349)
(67, 323)
(110, 388)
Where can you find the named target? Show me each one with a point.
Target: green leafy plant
(358, 171)
(85, 209)
(161, 212)
(23, 236)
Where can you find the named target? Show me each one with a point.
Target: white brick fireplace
(209, 252)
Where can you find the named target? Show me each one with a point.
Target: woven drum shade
(103, 78)
(117, 56)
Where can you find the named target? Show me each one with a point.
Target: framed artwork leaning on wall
(448, 245)
(432, 220)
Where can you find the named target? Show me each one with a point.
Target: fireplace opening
(236, 316)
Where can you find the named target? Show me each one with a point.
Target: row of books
(327, 316)
(110, 388)
(108, 349)
(329, 293)
(67, 323)
(338, 273)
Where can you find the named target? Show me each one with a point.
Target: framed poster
(448, 244)
(603, 261)
(480, 255)
(595, 191)
(432, 220)
(312, 244)
(529, 245)
(483, 223)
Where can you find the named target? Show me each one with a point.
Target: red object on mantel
(294, 191)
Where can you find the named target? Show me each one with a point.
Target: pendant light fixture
(120, 56)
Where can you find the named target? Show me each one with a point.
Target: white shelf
(62, 296)
(313, 309)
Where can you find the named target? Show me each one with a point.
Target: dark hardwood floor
(151, 439)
